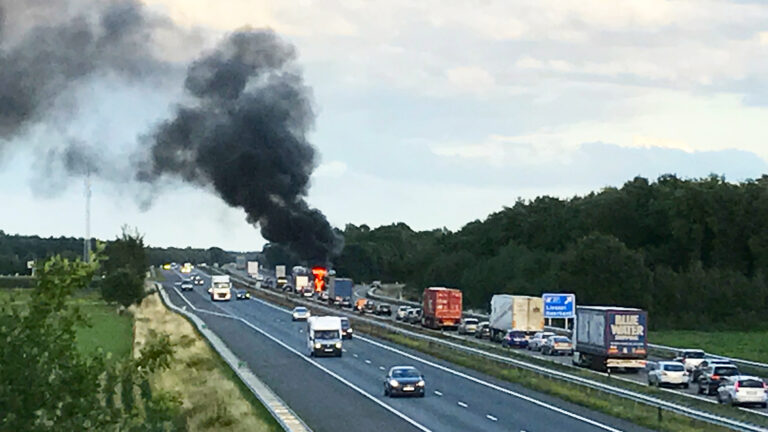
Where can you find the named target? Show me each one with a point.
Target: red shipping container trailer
(441, 307)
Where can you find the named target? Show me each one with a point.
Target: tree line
(17, 250)
(694, 253)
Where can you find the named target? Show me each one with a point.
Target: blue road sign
(559, 305)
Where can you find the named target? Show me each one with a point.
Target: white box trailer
(515, 312)
(253, 269)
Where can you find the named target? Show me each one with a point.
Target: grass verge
(743, 345)
(213, 397)
(618, 407)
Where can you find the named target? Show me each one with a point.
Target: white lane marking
(382, 368)
(462, 404)
(319, 366)
(367, 362)
(438, 393)
(491, 418)
(492, 386)
(477, 380)
(354, 355)
(343, 350)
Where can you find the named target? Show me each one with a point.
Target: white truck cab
(324, 336)
(221, 288)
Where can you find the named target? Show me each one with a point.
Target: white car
(690, 358)
(667, 373)
(538, 340)
(743, 390)
(300, 313)
(468, 326)
(401, 313)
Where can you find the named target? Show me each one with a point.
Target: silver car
(538, 340)
(667, 373)
(468, 326)
(743, 390)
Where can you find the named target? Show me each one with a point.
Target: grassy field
(743, 345)
(213, 398)
(109, 330)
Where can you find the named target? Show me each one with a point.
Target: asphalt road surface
(346, 394)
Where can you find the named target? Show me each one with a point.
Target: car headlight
(394, 383)
(318, 346)
(338, 345)
(420, 383)
(350, 331)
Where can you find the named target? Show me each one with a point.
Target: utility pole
(87, 239)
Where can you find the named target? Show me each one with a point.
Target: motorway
(640, 377)
(346, 394)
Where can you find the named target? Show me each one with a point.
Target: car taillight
(613, 350)
(715, 377)
(736, 386)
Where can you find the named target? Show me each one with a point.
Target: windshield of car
(726, 371)
(470, 321)
(344, 324)
(516, 334)
(674, 367)
(545, 335)
(750, 383)
(694, 354)
(561, 339)
(405, 373)
(326, 334)
(300, 309)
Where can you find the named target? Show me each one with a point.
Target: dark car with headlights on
(404, 381)
(346, 328)
(242, 294)
(187, 285)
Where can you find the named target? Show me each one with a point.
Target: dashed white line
(367, 362)
(354, 355)
(462, 404)
(491, 418)
(438, 393)
(382, 368)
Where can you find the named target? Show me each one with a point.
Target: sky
(438, 113)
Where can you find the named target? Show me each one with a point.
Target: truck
(253, 270)
(221, 288)
(240, 261)
(610, 337)
(324, 336)
(441, 308)
(515, 312)
(339, 289)
(280, 278)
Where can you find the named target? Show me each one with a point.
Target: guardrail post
(659, 415)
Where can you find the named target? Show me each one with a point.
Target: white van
(221, 288)
(324, 336)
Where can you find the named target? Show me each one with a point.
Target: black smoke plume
(244, 134)
(46, 49)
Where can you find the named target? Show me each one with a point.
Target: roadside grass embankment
(735, 344)
(635, 412)
(213, 397)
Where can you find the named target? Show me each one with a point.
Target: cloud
(334, 169)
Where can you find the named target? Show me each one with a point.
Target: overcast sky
(437, 113)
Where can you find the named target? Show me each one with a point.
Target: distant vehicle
(743, 390)
(515, 312)
(369, 307)
(252, 268)
(307, 291)
(413, 316)
(468, 326)
(346, 328)
(667, 373)
(401, 312)
(300, 313)
(323, 296)
(383, 309)
(608, 337)
(557, 345)
(340, 288)
(690, 358)
(441, 308)
(346, 302)
(404, 381)
(221, 288)
(280, 276)
(324, 336)
(269, 283)
(242, 294)
(198, 280)
(713, 376)
(187, 285)
(514, 339)
(240, 262)
(538, 340)
(360, 305)
(696, 373)
(186, 268)
(166, 266)
(483, 330)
